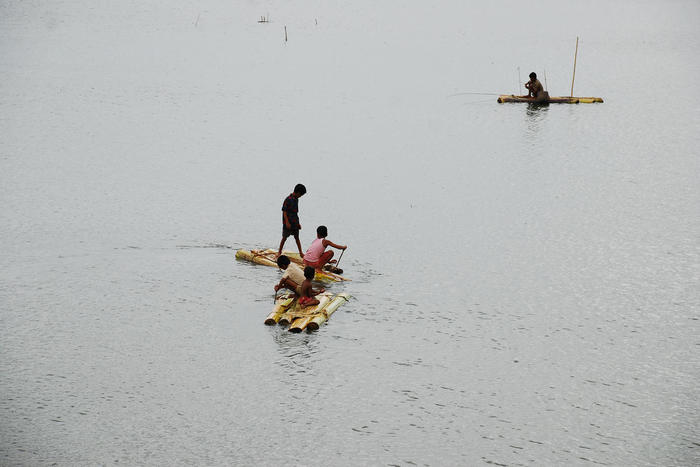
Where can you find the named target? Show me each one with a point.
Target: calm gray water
(525, 280)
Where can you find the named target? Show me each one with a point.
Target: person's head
(533, 76)
(299, 190)
(283, 262)
(309, 272)
(321, 231)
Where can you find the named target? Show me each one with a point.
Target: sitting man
(535, 88)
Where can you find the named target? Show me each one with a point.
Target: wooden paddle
(341, 257)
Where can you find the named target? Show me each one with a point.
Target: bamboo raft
(288, 312)
(570, 99)
(269, 258)
(549, 100)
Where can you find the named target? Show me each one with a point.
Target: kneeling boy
(293, 275)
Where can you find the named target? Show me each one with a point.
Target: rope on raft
(261, 254)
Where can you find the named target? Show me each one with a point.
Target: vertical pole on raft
(574, 76)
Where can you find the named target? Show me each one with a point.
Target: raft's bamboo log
(300, 323)
(272, 254)
(294, 312)
(255, 258)
(328, 276)
(323, 316)
(289, 315)
(552, 100)
(280, 307)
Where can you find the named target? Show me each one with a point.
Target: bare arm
(334, 245)
(285, 281)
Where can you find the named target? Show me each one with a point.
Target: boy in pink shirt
(317, 256)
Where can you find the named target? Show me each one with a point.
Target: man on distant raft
(535, 88)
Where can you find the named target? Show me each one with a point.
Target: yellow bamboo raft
(549, 100)
(288, 312)
(269, 258)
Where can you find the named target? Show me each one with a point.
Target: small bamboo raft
(269, 258)
(550, 100)
(287, 311)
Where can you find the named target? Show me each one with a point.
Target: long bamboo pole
(574, 76)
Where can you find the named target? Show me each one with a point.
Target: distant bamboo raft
(268, 258)
(288, 312)
(551, 100)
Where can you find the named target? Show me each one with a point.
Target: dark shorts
(287, 232)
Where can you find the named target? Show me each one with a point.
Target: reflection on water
(534, 109)
(294, 347)
(535, 118)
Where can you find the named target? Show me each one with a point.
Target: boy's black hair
(309, 272)
(321, 231)
(533, 75)
(300, 189)
(283, 261)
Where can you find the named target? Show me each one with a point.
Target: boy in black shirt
(290, 217)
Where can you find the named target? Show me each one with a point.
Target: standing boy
(317, 256)
(290, 217)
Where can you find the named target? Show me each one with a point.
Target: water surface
(524, 279)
